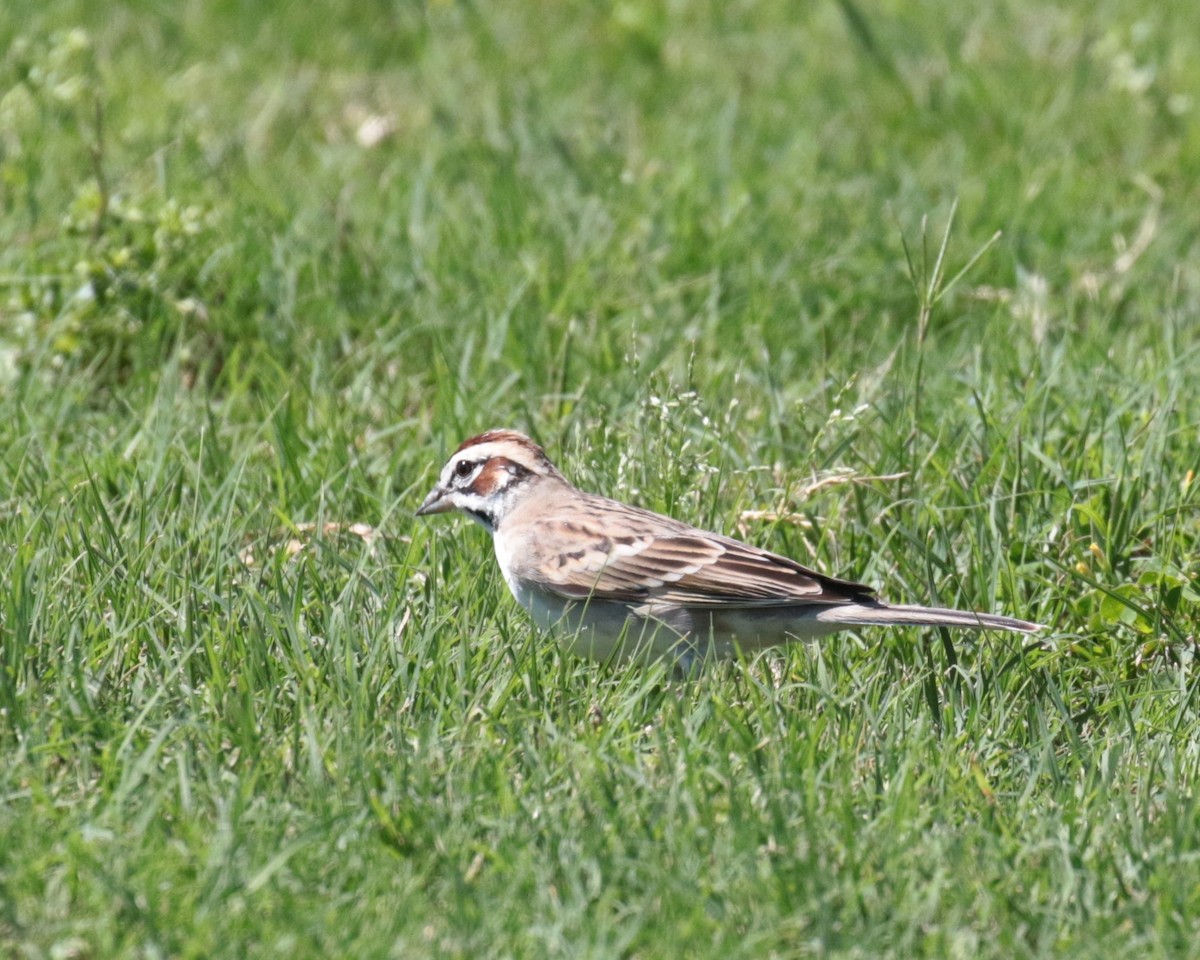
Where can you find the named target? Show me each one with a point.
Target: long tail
(882, 615)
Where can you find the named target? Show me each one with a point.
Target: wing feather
(658, 560)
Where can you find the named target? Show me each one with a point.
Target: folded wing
(686, 567)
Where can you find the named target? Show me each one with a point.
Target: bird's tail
(882, 615)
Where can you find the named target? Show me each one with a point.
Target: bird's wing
(680, 565)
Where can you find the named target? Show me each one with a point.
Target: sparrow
(617, 582)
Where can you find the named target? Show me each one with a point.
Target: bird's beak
(436, 502)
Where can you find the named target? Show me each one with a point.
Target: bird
(617, 582)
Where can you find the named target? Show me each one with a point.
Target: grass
(262, 266)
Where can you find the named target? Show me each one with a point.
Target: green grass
(695, 249)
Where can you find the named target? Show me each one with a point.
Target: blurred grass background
(263, 265)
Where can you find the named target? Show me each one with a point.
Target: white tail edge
(886, 615)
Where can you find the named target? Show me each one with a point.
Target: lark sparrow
(617, 581)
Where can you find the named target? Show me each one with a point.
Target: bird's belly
(600, 630)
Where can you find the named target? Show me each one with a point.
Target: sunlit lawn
(907, 292)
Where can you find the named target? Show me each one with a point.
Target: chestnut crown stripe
(514, 445)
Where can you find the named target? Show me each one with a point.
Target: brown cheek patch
(494, 476)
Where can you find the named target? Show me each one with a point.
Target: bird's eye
(463, 468)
